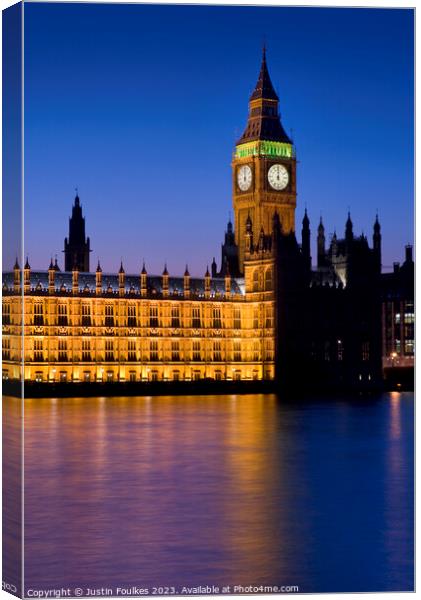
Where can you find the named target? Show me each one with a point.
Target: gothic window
(256, 280)
(237, 351)
(62, 314)
(6, 314)
(217, 355)
(62, 350)
(86, 315)
(109, 315)
(154, 349)
(256, 351)
(196, 317)
(175, 350)
(255, 318)
(237, 318)
(196, 351)
(38, 314)
(86, 350)
(38, 354)
(269, 350)
(153, 316)
(131, 350)
(131, 315)
(175, 316)
(109, 350)
(216, 317)
(268, 317)
(6, 348)
(268, 279)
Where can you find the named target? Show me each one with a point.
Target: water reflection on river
(224, 490)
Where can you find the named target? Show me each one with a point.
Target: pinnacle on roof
(165, 271)
(16, 264)
(306, 220)
(186, 272)
(144, 272)
(98, 269)
(207, 274)
(51, 267)
(121, 270)
(321, 227)
(27, 265)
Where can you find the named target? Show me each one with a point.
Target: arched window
(268, 279)
(256, 280)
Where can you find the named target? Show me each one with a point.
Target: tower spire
(264, 122)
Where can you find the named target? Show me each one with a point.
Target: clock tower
(263, 167)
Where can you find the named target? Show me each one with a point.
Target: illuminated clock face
(244, 178)
(278, 177)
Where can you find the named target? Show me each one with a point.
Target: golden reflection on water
(168, 483)
(223, 490)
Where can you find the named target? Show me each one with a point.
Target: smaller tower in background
(305, 241)
(349, 234)
(321, 241)
(76, 246)
(98, 280)
(377, 242)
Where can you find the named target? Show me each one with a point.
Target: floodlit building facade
(264, 313)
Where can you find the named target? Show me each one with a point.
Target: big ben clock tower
(263, 167)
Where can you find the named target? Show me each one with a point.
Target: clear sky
(139, 107)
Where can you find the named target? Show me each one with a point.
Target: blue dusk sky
(140, 106)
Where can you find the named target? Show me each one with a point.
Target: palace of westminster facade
(264, 314)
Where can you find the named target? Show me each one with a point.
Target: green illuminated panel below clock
(264, 148)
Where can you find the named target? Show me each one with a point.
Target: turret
(143, 281)
(249, 235)
(321, 241)
(377, 241)
(349, 235)
(98, 280)
(77, 246)
(121, 280)
(51, 278)
(207, 283)
(305, 241)
(27, 276)
(186, 281)
(16, 276)
(165, 281)
(214, 268)
(408, 254)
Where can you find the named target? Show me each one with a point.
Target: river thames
(219, 490)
